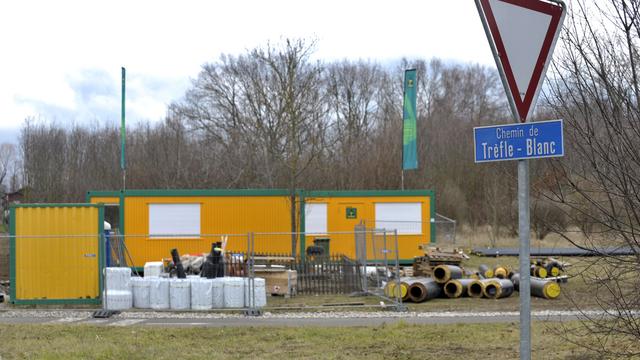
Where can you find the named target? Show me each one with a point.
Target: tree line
(275, 118)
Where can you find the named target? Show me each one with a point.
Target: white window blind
(174, 219)
(404, 217)
(315, 218)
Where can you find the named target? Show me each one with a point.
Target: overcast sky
(60, 60)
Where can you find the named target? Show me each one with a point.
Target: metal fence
(445, 230)
(362, 261)
(338, 262)
(336, 274)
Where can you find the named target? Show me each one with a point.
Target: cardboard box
(279, 281)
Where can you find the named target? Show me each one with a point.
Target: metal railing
(360, 261)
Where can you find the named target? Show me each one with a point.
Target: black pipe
(486, 271)
(178, 264)
(208, 269)
(443, 273)
(218, 263)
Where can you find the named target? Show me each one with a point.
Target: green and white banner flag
(409, 146)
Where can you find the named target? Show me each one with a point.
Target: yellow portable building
(156, 221)
(329, 214)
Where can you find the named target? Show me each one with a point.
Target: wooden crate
(279, 281)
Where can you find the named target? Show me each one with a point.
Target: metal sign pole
(523, 213)
(524, 232)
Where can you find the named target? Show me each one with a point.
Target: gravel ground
(283, 315)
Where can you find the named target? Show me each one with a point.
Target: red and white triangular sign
(522, 34)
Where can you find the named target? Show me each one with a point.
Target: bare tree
(595, 88)
(265, 108)
(7, 164)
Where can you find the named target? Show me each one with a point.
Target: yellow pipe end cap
(552, 290)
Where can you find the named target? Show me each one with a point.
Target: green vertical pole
(122, 124)
(303, 225)
(101, 251)
(12, 253)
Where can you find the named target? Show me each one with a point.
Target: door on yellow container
(57, 253)
(344, 218)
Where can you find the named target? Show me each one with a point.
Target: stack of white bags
(118, 294)
(196, 293)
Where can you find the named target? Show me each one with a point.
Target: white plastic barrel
(118, 300)
(159, 293)
(140, 288)
(217, 290)
(201, 294)
(233, 292)
(118, 278)
(179, 294)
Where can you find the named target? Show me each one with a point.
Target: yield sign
(522, 34)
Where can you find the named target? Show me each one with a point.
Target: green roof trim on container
(192, 192)
(357, 193)
(101, 193)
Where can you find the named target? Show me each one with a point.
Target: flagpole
(122, 133)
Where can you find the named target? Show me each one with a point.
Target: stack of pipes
(452, 281)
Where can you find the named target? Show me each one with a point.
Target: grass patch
(396, 341)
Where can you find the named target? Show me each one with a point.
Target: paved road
(336, 319)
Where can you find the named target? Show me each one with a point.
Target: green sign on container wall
(352, 213)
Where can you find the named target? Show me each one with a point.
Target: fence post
(101, 270)
(386, 260)
(399, 305)
(360, 236)
(251, 310)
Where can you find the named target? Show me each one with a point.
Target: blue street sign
(532, 140)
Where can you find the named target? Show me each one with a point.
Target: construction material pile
(192, 293)
(440, 274)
